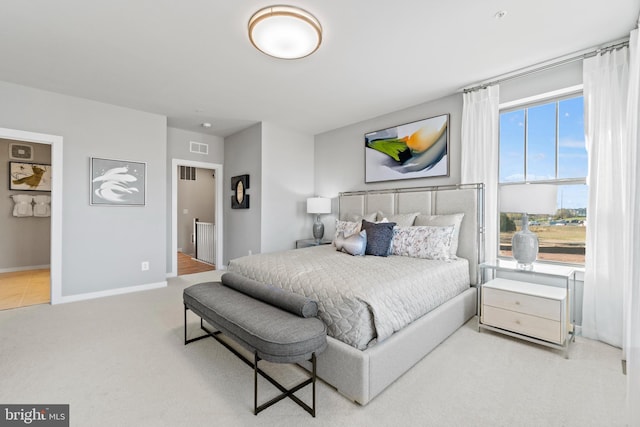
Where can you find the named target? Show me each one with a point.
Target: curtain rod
(546, 66)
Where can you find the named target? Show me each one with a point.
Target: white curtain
(611, 308)
(631, 325)
(605, 103)
(480, 132)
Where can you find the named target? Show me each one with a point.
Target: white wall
(102, 246)
(287, 182)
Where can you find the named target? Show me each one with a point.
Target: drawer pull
(517, 322)
(517, 302)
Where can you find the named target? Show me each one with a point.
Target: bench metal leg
(285, 392)
(207, 335)
(256, 370)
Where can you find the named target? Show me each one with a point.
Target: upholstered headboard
(466, 198)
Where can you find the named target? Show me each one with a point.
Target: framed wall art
(29, 176)
(118, 182)
(413, 150)
(240, 198)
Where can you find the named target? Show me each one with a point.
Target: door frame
(174, 210)
(55, 254)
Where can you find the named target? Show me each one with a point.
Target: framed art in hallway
(118, 182)
(29, 176)
(418, 149)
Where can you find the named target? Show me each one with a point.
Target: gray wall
(242, 227)
(102, 246)
(280, 164)
(339, 154)
(287, 181)
(198, 199)
(25, 241)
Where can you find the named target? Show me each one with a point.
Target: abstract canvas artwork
(29, 176)
(117, 182)
(414, 150)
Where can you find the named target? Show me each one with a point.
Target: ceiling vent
(198, 147)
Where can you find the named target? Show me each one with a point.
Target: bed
(383, 313)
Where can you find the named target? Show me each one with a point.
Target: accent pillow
(443, 221)
(402, 220)
(356, 244)
(378, 237)
(427, 242)
(346, 227)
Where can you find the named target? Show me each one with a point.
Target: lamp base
(318, 230)
(524, 246)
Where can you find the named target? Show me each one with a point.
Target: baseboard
(29, 267)
(107, 293)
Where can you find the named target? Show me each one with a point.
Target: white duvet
(362, 299)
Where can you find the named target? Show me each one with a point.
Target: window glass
(552, 136)
(541, 142)
(572, 156)
(512, 146)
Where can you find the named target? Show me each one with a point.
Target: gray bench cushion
(276, 335)
(278, 297)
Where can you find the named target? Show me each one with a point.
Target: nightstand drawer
(526, 304)
(533, 326)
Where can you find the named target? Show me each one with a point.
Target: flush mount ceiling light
(285, 32)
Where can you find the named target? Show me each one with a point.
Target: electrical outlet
(250, 252)
(145, 265)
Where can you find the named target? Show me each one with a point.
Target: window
(545, 142)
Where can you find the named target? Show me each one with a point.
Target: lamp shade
(318, 205)
(529, 198)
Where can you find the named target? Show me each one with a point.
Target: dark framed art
(29, 176)
(240, 198)
(117, 182)
(418, 149)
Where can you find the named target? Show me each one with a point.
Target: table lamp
(318, 206)
(527, 199)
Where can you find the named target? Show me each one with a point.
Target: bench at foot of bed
(269, 332)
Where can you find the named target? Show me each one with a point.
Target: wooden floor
(188, 265)
(23, 288)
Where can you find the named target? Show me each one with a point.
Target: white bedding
(362, 299)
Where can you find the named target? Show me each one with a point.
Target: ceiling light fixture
(285, 32)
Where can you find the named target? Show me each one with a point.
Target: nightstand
(305, 243)
(525, 306)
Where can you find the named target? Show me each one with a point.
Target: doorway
(208, 211)
(36, 285)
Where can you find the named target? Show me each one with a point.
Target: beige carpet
(120, 361)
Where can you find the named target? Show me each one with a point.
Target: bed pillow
(371, 217)
(442, 221)
(379, 237)
(429, 242)
(347, 228)
(356, 244)
(401, 220)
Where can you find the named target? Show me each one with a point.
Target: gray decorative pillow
(379, 237)
(356, 244)
(427, 242)
(443, 221)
